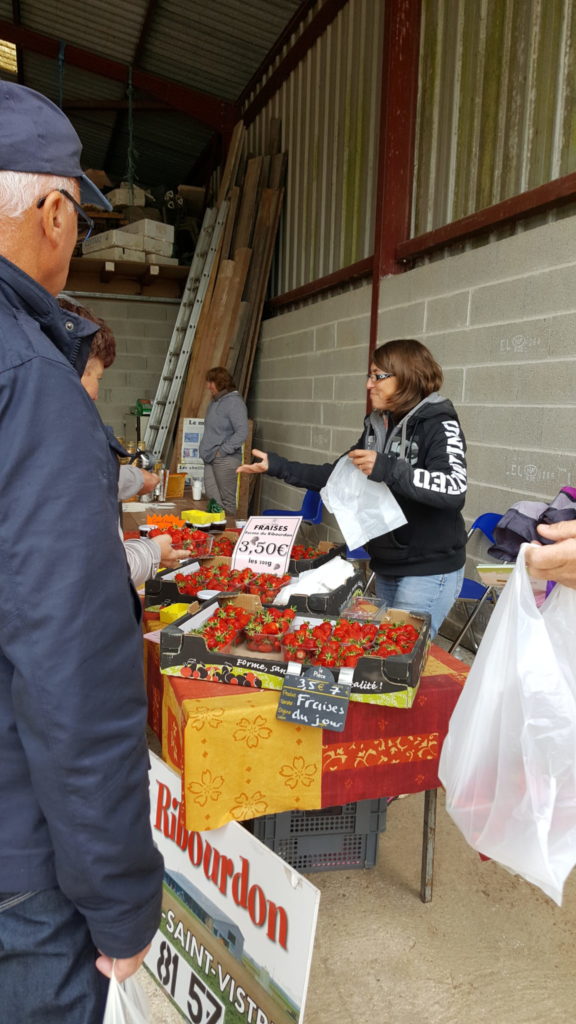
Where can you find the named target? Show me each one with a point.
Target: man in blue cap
(80, 877)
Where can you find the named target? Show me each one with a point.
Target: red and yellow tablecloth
(238, 761)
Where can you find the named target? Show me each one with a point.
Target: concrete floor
(489, 947)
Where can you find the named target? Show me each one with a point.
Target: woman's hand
(364, 459)
(554, 561)
(255, 467)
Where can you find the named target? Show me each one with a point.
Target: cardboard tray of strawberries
(215, 643)
(216, 574)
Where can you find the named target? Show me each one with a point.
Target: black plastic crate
(362, 816)
(329, 852)
(327, 840)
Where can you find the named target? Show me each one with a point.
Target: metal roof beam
(212, 111)
(84, 104)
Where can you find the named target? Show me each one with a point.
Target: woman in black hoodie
(412, 441)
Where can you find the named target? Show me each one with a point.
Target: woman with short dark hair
(412, 441)
(225, 430)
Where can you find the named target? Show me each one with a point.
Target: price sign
(265, 544)
(315, 698)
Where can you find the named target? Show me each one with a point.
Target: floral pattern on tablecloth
(385, 750)
(239, 761)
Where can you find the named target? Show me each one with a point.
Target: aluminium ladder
(163, 412)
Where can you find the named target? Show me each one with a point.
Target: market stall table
(239, 761)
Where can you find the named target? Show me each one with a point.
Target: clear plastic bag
(508, 763)
(126, 1003)
(363, 508)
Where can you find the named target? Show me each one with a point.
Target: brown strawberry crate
(328, 550)
(389, 681)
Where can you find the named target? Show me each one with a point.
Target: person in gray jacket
(225, 430)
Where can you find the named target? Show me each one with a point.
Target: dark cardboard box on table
(390, 681)
(160, 591)
(329, 550)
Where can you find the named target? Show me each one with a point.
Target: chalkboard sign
(315, 698)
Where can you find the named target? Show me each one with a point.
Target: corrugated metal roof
(103, 26)
(213, 48)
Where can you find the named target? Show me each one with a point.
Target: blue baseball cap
(36, 137)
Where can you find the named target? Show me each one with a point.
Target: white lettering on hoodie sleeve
(446, 483)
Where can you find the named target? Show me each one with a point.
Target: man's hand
(149, 481)
(554, 561)
(255, 467)
(122, 968)
(364, 459)
(170, 557)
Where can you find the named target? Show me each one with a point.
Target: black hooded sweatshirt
(422, 459)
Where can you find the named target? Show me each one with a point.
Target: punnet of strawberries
(265, 630)
(301, 552)
(223, 578)
(222, 546)
(340, 644)
(224, 627)
(196, 542)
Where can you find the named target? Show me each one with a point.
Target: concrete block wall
(142, 328)
(500, 319)
(308, 394)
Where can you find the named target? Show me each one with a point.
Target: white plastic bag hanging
(126, 1002)
(363, 508)
(509, 760)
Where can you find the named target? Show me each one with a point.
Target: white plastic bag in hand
(509, 760)
(126, 1002)
(363, 508)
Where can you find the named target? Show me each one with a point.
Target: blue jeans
(47, 962)
(432, 594)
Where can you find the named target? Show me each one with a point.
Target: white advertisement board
(238, 923)
(192, 431)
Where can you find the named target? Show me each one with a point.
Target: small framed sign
(315, 697)
(265, 544)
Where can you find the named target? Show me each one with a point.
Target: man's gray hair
(19, 190)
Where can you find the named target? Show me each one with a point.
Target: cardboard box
(164, 589)
(137, 241)
(390, 681)
(151, 229)
(99, 177)
(329, 550)
(127, 196)
(116, 253)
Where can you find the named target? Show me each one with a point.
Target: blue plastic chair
(472, 591)
(311, 509)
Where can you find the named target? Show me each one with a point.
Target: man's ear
(53, 217)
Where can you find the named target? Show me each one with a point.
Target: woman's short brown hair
(416, 371)
(219, 376)
(103, 342)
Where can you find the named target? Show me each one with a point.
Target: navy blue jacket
(74, 805)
